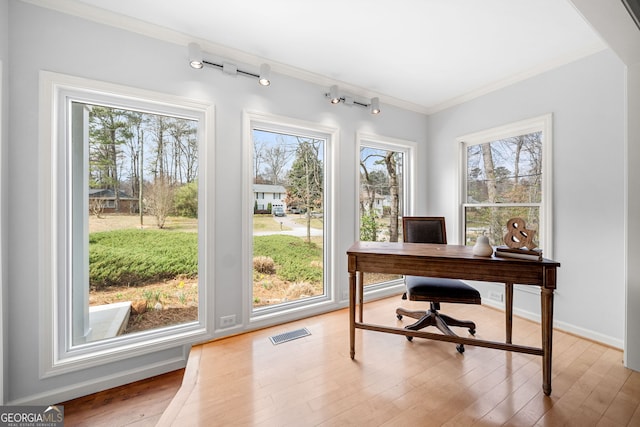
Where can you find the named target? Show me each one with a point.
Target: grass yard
(110, 222)
(133, 257)
(133, 263)
(292, 270)
(266, 223)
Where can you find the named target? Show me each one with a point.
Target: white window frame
(410, 151)
(295, 309)
(542, 123)
(57, 354)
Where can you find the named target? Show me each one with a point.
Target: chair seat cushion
(441, 290)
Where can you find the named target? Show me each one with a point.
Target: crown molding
(532, 72)
(105, 17)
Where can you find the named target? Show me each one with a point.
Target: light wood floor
(246, 380)
(134, 405)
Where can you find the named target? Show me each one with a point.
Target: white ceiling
(423, 54)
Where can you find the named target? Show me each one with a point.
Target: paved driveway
(287, 221)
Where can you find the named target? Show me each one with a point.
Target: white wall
(587, 100)
(632, 336)
(46, 40)
(620, 32)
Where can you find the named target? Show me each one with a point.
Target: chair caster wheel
(399, 316)
(472, 331)
(409, 338)
(460, 348)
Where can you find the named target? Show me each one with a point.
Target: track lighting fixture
(335, 98)
(196, 61)
(229, 68)
(265, 75)
(375, 105)
(195, 56)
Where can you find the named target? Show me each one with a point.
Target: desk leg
(547, 337)
(352, 314)
(508, 310)
(360, 294)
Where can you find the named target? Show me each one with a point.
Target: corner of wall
(4, 53)
(632, 337)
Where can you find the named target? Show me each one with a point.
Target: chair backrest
(424, 229)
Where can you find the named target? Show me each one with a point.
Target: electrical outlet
(496, 296)
(227, 321)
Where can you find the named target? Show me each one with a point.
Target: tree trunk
(114, 172)
(516, 166)
(492, 191)
(308, 196)
(390, 162)
(369, 188)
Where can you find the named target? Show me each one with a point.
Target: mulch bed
(152, 319)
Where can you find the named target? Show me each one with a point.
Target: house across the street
(265, 194)
(103, 200)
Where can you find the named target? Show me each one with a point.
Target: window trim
(291, 310)
(57, 354)
(542, 123)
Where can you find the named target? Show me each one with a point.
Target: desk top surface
(430, 250)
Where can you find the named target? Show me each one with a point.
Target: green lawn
(266, 223)
(295, 259)
(133, 257)
(315, 222)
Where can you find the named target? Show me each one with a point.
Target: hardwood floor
(138, 404)
(246, 380)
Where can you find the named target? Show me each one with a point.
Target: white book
(530, 257)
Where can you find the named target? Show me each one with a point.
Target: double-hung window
(506, 173)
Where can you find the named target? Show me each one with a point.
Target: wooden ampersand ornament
(518, 236)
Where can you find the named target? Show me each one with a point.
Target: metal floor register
(288, 336)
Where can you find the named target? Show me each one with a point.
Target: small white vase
(482, 247)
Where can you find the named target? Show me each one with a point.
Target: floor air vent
(288, 336)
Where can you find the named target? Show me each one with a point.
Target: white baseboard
(562, 326)
(95, 385)
(591, 335)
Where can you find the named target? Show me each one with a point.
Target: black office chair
(432, 289)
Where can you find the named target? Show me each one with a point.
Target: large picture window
(289, 214)
(127, 221)
(138, 171)
(506, 173)
(384, 193)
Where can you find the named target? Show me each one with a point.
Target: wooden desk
(455, 262)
